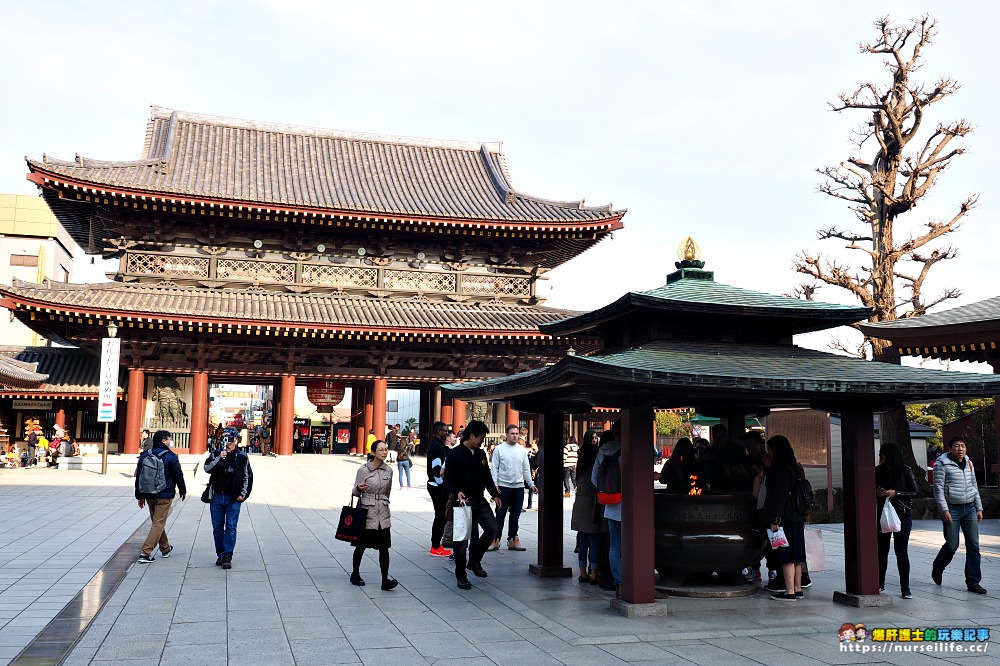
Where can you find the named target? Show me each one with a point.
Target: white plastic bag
(815, 550)
(889, 522)
(778, 539)
(461, 524)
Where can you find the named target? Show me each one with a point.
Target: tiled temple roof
(115, 299)
(982, 312)
(66, 370)
(255, 163)
(17, 374)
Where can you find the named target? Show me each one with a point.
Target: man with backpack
(157, 473)
(232, 481)
(606, 477)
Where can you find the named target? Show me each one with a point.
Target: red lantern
(325, 393)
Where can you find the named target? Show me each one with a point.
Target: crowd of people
(39, 450)
(462, 472)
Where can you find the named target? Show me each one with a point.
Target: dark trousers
(482, 515)
(569, 478)
(439, 497)
(900, 540)
(511, 499)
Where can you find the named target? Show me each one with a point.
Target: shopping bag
(815, 550)
(778, 539)
(461, 524)
(208, 493)
(889, 522)
(352, 522)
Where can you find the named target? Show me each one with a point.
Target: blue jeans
(225, 514)
(401, 466)
(962, 516)
(590, 550)
(615, 529)
(510, 499)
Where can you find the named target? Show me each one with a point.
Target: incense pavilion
(728, 352)
(254, 252)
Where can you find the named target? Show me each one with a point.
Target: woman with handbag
(780, 480)
(895, 484)
(372, 486)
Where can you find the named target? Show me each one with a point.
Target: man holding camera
(232, 481)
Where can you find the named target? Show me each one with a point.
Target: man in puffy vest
(960, 507)
(159, 502)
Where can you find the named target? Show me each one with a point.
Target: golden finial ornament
(688, 250)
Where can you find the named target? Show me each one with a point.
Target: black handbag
(208, 493)
(352, 522)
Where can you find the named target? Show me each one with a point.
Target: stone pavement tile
(745, 646)
(198, 633)
(485, 631)
(202, 654)
(80, 656)
(323, 627)
(476, 661)
(461, 610)
(140, 604)
(444, 645)
(602, 638)
(354, 616)
(633, 652)
(366, 636)
(132, 624)
(504, 649)
(289, 610)
(390, 655)
(318, 652)
(591, 656)
(240, 620)
(709, 655)
(94, 636)
(147, 648)
(544, 639)
(789, 659)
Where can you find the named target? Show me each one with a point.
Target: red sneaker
(440, 552)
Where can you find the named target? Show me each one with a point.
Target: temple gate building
(269, 254)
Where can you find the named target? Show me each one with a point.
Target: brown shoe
(515, 544)
(495, 545)
(565, 494)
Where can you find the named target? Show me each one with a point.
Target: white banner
(40, 405)
(107, 400)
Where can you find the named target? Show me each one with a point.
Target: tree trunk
(894, 428)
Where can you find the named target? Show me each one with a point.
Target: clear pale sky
(702, 118)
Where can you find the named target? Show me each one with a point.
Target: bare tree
(902, 170)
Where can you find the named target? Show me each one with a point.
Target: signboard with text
(107, 399)
(39, 405)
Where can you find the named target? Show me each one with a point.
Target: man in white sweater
(512, 474)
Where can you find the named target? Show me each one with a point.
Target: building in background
(34, 247)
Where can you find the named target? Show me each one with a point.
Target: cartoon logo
(348, 520)
(846, 633)
(860, 632)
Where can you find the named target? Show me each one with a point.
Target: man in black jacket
(159, 502)
(232, 481)
(436, 454)
(466, 475)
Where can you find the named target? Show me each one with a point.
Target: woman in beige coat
(373, 485)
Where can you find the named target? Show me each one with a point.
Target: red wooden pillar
(860, 518)
(369, 414)
(357, 422)
(513, 418)
(637, 505)
(61, 420)
(446, 410)
(199, 414)
(286, 416)
(550, 501)
(458, 414)
(136, 399)
(379, 404)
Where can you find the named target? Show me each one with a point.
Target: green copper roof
(694, 292)
(774, 375)
(982, 312)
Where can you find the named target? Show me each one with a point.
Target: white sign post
(107, 400)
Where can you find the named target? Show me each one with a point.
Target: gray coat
(376, 497)
(584, 504)
(954, 485)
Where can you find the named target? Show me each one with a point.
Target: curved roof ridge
(159, 113)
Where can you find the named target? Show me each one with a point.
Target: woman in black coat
(896, 484)
(779, 484)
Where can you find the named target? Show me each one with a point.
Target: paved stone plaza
(287, 599)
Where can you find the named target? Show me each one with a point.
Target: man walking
(571, 453)
(157, 473)
(232, 481)
(466, 476)
(512, 474)
(960, 505)
(436, 455)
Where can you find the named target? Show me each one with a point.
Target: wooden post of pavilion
(637, 551)
(513, 417)
(446, 411)
(550, 507)
(357, 421)
(860, 520)
(369, 414)
(458, 414)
